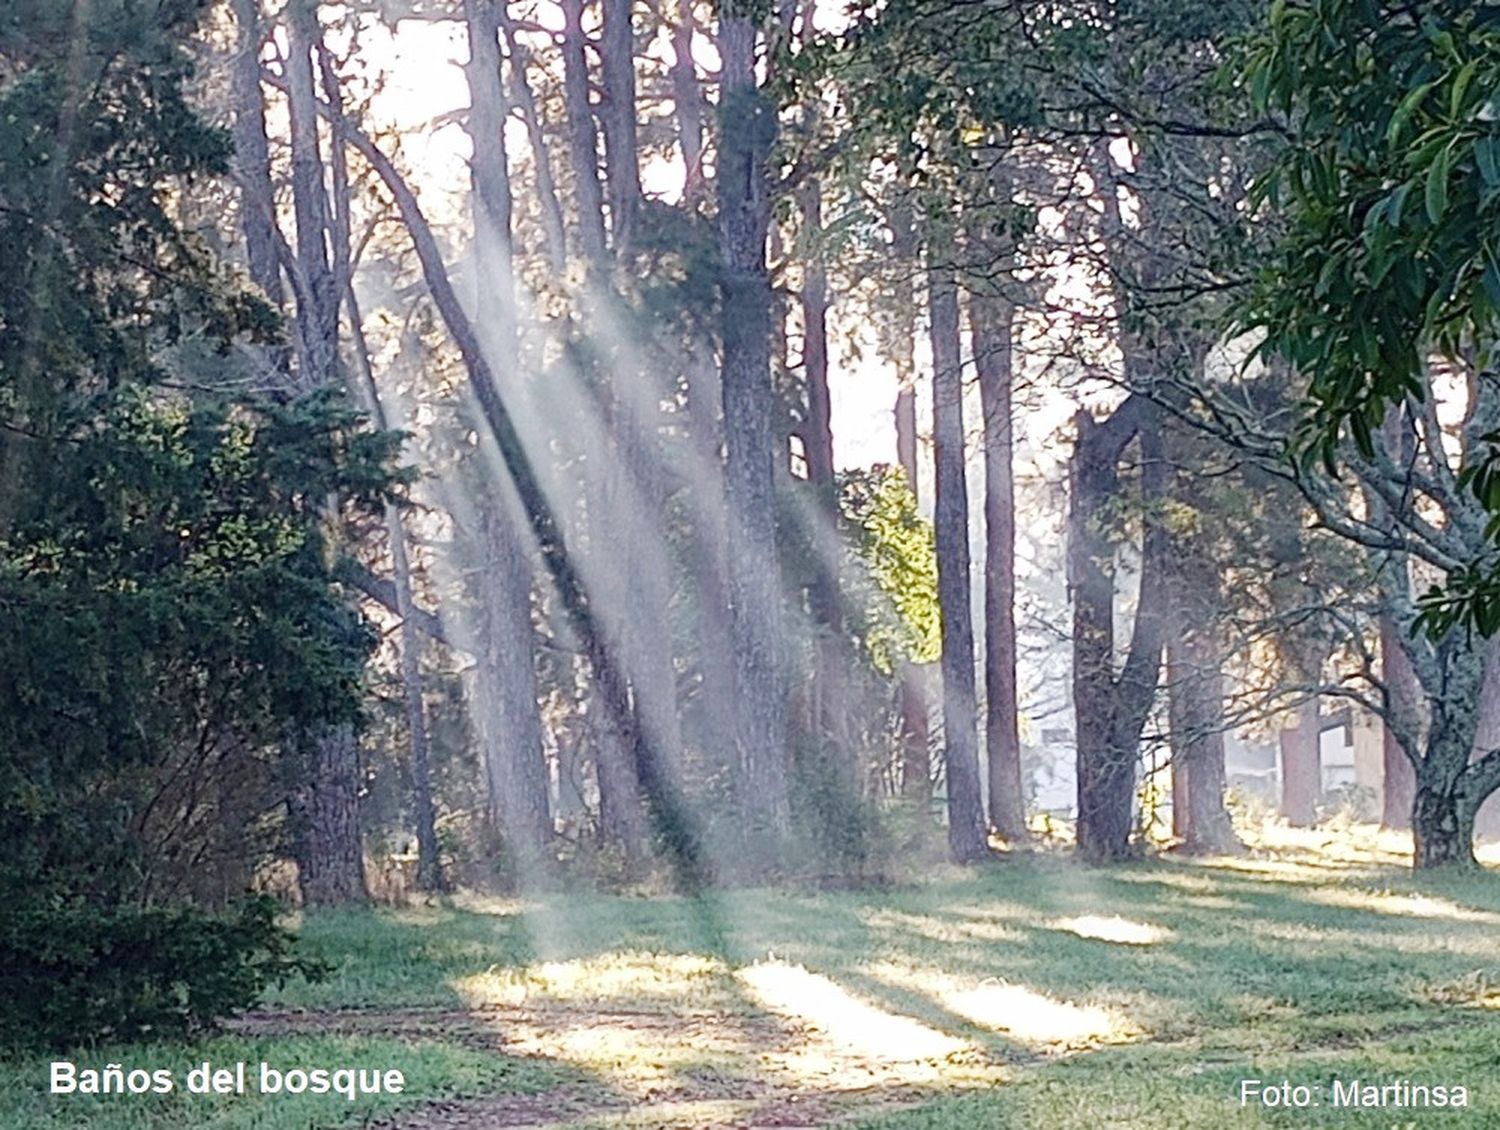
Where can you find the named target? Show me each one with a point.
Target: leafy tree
(164, 589)
(1389, 187)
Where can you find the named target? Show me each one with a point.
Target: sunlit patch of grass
(1121, 931)
(1016, 1011)
(1360, 845)
(842, 1019)
(662, 980)
(1401, 905)
(1479, 989)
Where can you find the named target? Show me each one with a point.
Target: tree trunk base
(1442, 831)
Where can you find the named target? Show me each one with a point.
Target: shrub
(75, 973)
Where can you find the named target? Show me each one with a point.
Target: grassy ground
(1035, 994)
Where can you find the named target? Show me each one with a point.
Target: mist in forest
(802, 512)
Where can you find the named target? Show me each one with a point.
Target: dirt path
(690, 1069)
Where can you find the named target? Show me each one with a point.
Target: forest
(551, 544)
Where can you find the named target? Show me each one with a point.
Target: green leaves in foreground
(1389, 188)
(71, 968)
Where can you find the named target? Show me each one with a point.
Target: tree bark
(825, 598)
(915, 728)
(1301, 769)
(323, 805)
(1111, 710)
(554, 231)
(708, 550)
(1442, 827)
(617, 112)
(967, 842)
(583, 138)
(366, 391)
(1196, 709)
(252, 153)
(1398, 794)
(318, 302)
(817, 434)
(687, 103)
(747, 128)
(992, 317)
(638, 477)
(1459, 768)
(326, 800)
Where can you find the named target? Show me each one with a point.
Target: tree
(747, 128)
(1111, 706)
(967, 842)
(992, 318)
(323, 797)
(164, 586)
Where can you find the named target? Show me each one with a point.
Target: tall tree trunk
(705, 470)
(747, 128)
(992, 317)
(367, 392)
(429, 854)
(324, 809)
(687, 103)
(637, 485)
(1459, 768)
(325, 803)
(1196, 710)
(522, 95)
(616, 728)
(318, 301)
(825, 600)
(1447, 796)
(1400, 780)
(1442, 829)
(510, 725)
(583, 139)
(1110, 710)
(617, 54)
(1301, 769)
(966, 830)
(708, 550)
(817, 435)
(252, 154)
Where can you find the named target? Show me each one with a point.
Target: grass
(431, 1069)
(1036, 992)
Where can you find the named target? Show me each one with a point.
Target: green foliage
(1390, 187)
(896, 544)
(165, 595)
(70, 969)
(167, 591)
(835, 828)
